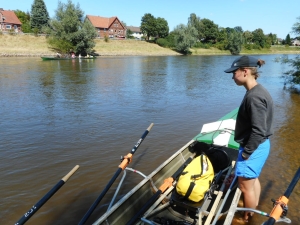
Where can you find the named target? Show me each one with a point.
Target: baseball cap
(244, 61)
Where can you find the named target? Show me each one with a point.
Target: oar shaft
(122, 166)
(41, 202)
(293, 183)
(141, 139)
(277, 209)
(95, 204)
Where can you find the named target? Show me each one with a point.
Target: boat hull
(133, 201)
(56, 58)
(218, 134)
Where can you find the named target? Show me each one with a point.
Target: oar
(41, 202)
(167, 183)
(282, 201)
(126, 160)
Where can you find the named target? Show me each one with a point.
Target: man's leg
(257, 189)
(248, 189)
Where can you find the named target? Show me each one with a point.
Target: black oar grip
(65, 178)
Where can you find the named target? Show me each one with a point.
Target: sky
(272, 16)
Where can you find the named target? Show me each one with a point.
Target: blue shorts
(251, 168)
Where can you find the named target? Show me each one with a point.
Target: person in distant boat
(58, 55)
(73, 55)
(252, 130)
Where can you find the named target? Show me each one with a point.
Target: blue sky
(272, 16)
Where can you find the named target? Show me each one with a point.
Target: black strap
(193, 177)
(201, 166)
(190, 189)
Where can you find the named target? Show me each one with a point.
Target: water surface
(57, 114)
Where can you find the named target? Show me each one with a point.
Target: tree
(248, 37)
(25, 20)
(238, 29)
(39, 15)
(259, 38)
(274, 38)
(195, 21)
(296, 27)
(68, 32)
(148, 25)
(235, 42)
(292, 76)
(184, 37)
(129, 34)
(162, 28)
(222, 39)
(288, 40)
(208, 31)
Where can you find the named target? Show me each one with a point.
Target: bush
(248, 46)
(106, 38)
(12, 31)
(256, 46)
(220, 45)
(163, 42)
(35, 31)
(202, 45)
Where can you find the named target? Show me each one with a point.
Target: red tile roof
(10, 17)
(101, 22)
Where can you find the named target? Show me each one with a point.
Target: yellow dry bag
(196, 178)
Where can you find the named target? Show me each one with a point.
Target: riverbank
(31, 46)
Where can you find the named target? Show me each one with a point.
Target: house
(110, 27)
(295, 42)
(136, 32)
(9, 21)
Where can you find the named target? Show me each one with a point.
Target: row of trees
(205, 33)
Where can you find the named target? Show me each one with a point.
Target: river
(58, 114)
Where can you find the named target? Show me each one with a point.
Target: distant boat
(66, 58)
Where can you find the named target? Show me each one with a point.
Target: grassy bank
(25, 45)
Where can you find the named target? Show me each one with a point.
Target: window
(15, 27)
(104, 29)
(8, 27)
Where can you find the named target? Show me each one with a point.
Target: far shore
(31, 46)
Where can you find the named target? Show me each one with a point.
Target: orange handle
(277, 210)
(127, 159)
(167, 183)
